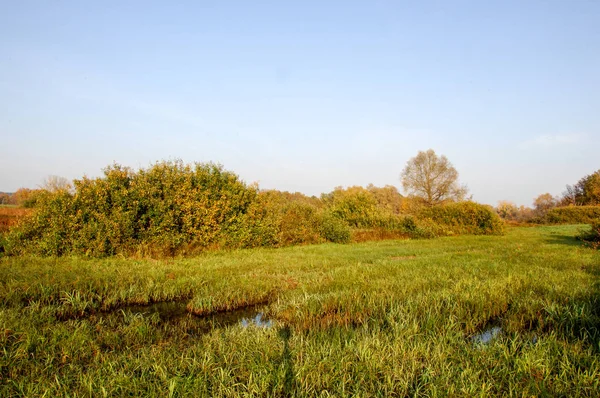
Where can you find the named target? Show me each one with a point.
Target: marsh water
(486, 336)
(173, 311)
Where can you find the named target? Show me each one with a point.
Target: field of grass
(388, 318)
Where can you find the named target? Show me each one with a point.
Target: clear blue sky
(306, 95)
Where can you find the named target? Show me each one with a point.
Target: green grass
(388, 318)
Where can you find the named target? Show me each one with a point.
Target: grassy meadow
(386, 318)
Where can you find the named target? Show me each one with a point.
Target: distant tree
(585, 192)
(432, 178)
(4, 198)
(25, 197)
(525, 214)
(507, 210)
(569, 197)
(543, 203)
(54, 183)
(591, 189)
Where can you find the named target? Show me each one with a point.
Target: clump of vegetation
(173, 208)
(164, 207)
(463, 218)
(592, 235)
(333, 228)
(573, 215)
(510, 212)
(169, 208)
(586, 192)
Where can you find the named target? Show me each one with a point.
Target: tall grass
(388, 318)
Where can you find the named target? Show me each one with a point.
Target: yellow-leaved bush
(172, 208)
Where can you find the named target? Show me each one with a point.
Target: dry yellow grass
(10, 215)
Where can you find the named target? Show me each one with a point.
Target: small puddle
(257, 321)
(167, 311)
(175, 311)
(487, 336)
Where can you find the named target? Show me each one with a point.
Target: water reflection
(171, 312)
(486, 336)
(257, 321)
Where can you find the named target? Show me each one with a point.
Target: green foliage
(389, 199)
(277, 219)
(585, 193)
(173, 208)
(592, 235)
(372, 319)
(462, 218)
(572, 215)
(333, 228)
(355, 205)
(259, 226)
(167, 207)
(299, 224)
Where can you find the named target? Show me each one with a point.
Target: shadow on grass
(568, 240)
(289, 381)
(582, 320)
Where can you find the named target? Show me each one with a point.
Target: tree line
(583, 196)
(175, 208)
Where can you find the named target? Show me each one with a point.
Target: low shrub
(355, 205)
(460, 218)
(572, 215)
(299, 224)
(334, 229)
(592, 235)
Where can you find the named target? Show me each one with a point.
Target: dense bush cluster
(174, 208)
(463, 218)
(166, 209)
(573, 215)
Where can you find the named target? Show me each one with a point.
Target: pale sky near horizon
(304, 96)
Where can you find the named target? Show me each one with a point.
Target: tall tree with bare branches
(432, 178)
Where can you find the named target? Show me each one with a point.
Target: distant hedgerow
(461, 218)
(572, 215)
(175, 208)
(169, 208)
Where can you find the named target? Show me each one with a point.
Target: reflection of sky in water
(487, 336)
(257, 321)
